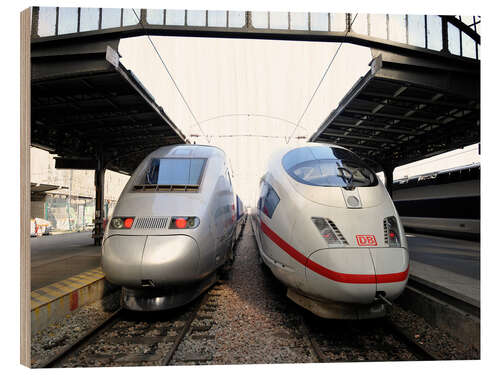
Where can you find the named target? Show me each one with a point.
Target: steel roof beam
(368, 137)
(63, 100)
(414, 100)
(386, 125)
(395, 117)
(344, 144)
(141, 139)
(462, 27)
(397, 106)
(376, 128)
(94, 120)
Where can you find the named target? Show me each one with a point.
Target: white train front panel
(328, 229)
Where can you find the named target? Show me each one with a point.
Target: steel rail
(185, 330)
(415, 347)
(91, 334)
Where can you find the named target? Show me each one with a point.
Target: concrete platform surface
(55, 258)
(450, 265)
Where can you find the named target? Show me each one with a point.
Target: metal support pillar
(389, 178)
(99, 201)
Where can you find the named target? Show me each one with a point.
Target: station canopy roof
(402, 111)
(42, 188)
(86, 103)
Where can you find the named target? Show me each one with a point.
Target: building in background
(66, 198)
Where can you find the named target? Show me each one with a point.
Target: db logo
(366, 240)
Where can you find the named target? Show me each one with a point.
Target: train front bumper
(356, 275)
(150, 261)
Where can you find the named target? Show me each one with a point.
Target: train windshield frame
(174, 171)
(328, 167)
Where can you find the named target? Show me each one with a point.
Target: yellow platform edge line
(64, 287)
(40, 297)
(45, 293)
(50, 301)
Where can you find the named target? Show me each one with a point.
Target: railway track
(127, 338)
(349, 341)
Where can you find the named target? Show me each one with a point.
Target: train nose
(356, 275)
(170, 260)
(145, 261)
(344, 275)
(392, 266)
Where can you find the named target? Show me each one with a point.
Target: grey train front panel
(172, 228)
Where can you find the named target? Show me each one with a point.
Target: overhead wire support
(171, 76)
(348, 29)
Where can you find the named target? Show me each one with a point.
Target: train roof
(284, 149)
(456, 174)
(190, 151)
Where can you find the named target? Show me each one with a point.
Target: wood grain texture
(25, 187)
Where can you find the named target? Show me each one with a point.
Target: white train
(172, 229)
(327, 228)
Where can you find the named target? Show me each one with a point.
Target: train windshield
(174, 171)
(328, 166)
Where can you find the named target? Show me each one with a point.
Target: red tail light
(127, 223)
(180, 223)
(184, 222)
(121, 222)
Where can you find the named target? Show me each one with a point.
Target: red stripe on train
(330, 274)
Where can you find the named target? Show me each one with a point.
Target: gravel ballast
(46, 343)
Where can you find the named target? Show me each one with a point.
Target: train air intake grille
(329, 231)
(337, 233)
(151, 223)
(386, 232)
(392, 236)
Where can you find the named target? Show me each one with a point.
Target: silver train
(172, 229)
(444, 203)
(327, 228)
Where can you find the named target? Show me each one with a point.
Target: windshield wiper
(348, 182)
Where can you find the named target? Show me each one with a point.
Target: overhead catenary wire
(171, 77)
(248, 115)
(348, 29)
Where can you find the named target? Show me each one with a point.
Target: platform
(53, 302)
(450, 265)
(58, 257)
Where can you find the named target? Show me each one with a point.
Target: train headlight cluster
(122, 222)
(329, 231)
(184, 222)
(391, 232)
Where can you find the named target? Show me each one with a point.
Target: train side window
(271, 200)
(263, 193)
